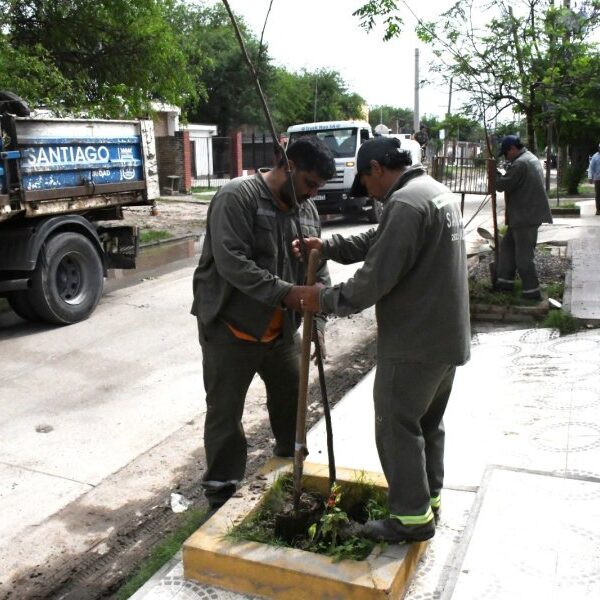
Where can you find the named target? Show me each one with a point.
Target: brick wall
(173, 155)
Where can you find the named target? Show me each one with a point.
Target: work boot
(394, 532)
(532, 295)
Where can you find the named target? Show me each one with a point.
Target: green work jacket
(414, 272)
(247, 266)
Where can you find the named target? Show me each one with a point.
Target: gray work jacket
(247, 267)
(414, 271)
(525, 193)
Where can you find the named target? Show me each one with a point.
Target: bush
(573, 177)
(563, 321)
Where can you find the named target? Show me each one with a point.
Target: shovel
(300, 450)
(304, 512)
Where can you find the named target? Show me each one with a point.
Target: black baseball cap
(379, 149)
(508, 142)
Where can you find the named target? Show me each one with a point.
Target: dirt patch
(178, 217)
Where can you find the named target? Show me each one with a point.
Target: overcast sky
(316, 34)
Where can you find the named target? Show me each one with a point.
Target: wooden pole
(300, 451)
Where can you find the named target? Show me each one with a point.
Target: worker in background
(526, 209)
(594, 176)
(243, 287)
(415, 273)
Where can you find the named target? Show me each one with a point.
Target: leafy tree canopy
(103, 57)
(530, 58)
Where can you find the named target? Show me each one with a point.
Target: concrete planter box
(559, 211)
(290, 574)
(510, 314)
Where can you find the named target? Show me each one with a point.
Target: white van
(343, 138)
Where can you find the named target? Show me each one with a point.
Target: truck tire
(20, 302)
(68, 279)
(374, 214)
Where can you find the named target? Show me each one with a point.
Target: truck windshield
(341, 142)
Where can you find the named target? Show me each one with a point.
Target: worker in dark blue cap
(526, 209)
(415, 273)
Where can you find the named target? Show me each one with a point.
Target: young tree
(521, 59)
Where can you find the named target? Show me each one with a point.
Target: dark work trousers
(410, 400)
(597, 188)
(228, 369)
(516, 255)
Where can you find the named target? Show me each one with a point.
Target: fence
(257, 151)
(461, 175)
(212, 162)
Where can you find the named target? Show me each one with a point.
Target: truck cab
(343, 138)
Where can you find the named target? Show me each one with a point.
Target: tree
(308, 96)
(116, 56)
(398, 120)
(225, 90)
(524, 60)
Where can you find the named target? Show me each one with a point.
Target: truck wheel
(20, 302)
(68, 279)
(374, 214)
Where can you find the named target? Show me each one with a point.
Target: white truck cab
(343, 138)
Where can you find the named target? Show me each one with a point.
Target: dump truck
(63, 185)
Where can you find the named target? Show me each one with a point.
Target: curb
(510, 314)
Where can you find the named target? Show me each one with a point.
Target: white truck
(62, 182)
(344, 138)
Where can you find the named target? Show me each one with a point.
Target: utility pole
(316, 90)
(416, 116)
(449, 99)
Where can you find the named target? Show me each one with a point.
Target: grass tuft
(162, 553)
(563, 321)
(154, 235)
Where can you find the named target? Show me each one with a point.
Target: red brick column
(236, 154)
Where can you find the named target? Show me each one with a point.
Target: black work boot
(392, 531)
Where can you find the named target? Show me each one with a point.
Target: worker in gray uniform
(243, 287)
(415, 272)
(526, 209)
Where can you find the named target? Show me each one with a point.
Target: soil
(178, 217)
(551, 266)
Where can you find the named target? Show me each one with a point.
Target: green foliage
(226, 95)
(533, 58)
(307, 96)
(113, 57)
(397, 119)
(322, 536)
(387, 10)
(563, 321)
(573, 177)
